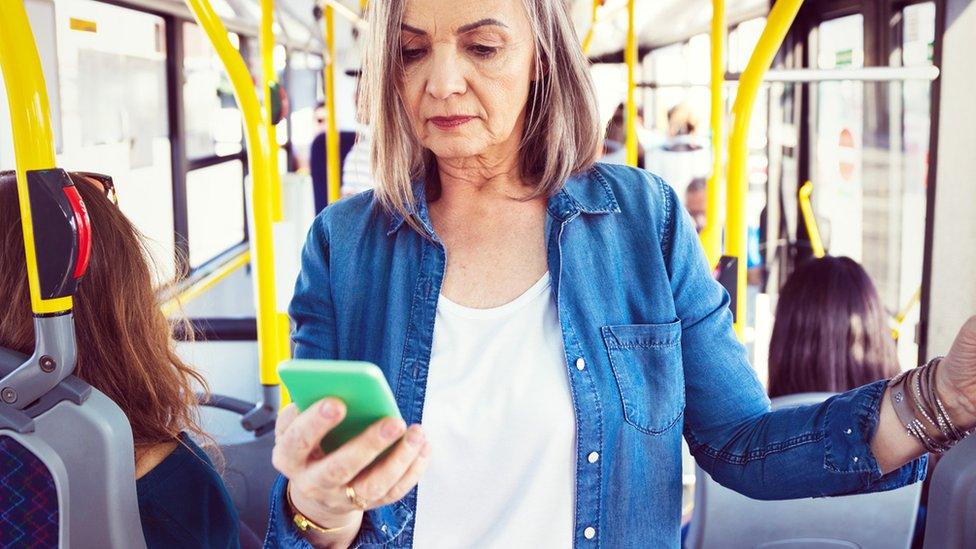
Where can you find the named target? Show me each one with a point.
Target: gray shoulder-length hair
(562, 133)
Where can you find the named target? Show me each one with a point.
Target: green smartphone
(360, 385)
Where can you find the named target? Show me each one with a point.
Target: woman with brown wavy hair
(125, 351)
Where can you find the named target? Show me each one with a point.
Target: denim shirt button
(383, 528)
(593, 457)
(589, 533)
(848, 431)
(855, 459)
(580, 364)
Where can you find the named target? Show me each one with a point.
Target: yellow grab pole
(30, 121)
(331, 132)
(711, 235)
(630, 56)
(258, 149)
(778, 23)
(588, 37)
(810, 220)
(268, 78)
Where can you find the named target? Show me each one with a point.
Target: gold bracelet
(304, 525)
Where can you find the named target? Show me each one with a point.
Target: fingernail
(329, 410)
(415, 437)
(391, 429)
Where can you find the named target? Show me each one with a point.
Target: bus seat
(67, 467)
(951, 513)
(247, 472)
(724, 518)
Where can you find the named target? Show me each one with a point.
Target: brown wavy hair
(831, 332)
(125, 348)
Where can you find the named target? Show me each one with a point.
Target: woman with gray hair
(553, 322)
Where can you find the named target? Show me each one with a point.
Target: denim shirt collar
(588, 192)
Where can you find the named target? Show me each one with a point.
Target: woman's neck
(148, 457)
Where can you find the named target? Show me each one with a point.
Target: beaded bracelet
(919, 408)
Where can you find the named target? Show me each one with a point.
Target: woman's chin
(451, 148)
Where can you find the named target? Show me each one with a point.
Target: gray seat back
(84, 442)
(951, 512)
(724, 518)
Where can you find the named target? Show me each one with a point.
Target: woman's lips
(448, 122)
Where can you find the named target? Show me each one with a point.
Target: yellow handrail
(810, 220)
(200, 287)
(711, 235)
(266, 43)
(588, 37)
(778, 23)
(332, 131)
(630, 56)
(261, 197)
(30, 121)
(900, 317)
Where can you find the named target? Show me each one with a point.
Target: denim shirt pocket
(646, 362)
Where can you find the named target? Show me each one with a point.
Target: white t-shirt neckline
(447, 306)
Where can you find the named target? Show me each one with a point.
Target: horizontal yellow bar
(200, 287)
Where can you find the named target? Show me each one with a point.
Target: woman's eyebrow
(480, 23)
(461, 30)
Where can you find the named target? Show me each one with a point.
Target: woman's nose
(446, 76)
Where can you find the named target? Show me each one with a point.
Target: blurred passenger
(696, 202)
(683, 156)
(126, 352)
(318, 161)
(615, 143)
(831, 332)
(357, 171)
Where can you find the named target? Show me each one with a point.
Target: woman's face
(468, 65)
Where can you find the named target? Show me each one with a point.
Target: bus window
(213, 121)
(112, 65)
(837, 164)
(215, 210)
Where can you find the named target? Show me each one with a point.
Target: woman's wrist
(323, 529)
(960, 407)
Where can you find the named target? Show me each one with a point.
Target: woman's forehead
(458, 16)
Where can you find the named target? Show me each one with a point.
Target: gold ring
(355, 499)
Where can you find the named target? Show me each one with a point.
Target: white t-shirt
(357, 173)
(500, 420)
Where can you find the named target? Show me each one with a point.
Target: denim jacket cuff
(851, 421)
(380, 526)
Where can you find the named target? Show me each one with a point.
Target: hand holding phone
(343, 446)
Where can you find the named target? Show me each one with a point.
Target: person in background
(357, 171)
(318, 162)
(125, 350)
(831, 332)
(682, 157)
(696, 202)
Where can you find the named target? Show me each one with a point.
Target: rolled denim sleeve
(380, 526)
(805, 451)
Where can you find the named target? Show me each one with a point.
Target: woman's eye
(411, 54)
(482, 51)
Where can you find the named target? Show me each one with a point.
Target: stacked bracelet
(920, 410)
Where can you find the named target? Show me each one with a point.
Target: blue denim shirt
(650, 350)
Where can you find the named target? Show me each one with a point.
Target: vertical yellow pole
(258, 148)
(30, 122)
(266, 42)
(332, 132)
(282, 323)
(778, 23)
(711, 235)
(630, 56)
(588, 37)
